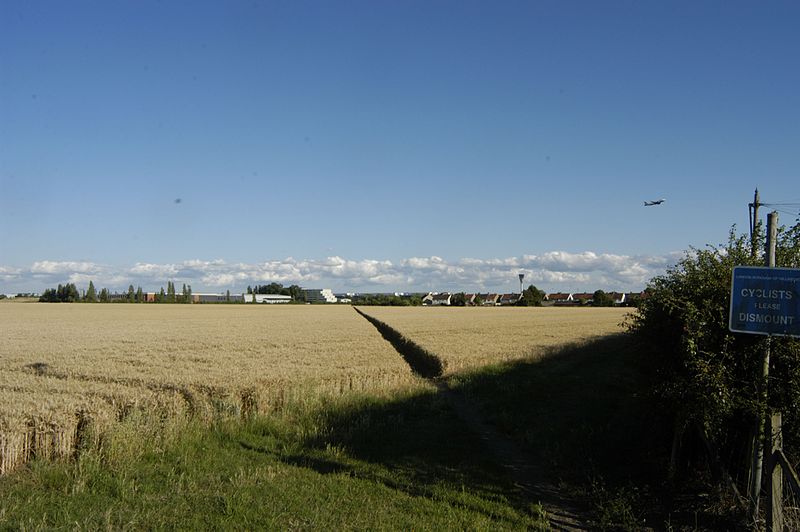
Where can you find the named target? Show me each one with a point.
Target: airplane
(656, 202)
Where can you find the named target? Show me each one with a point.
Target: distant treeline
(68, 293)
(277, 288)
(387, 300)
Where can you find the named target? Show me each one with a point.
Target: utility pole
(754, 224)
(758, 443)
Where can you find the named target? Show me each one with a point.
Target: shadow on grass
(413, 445)
(580, 412)
(419, 440)
(583, 410)
(586, 415)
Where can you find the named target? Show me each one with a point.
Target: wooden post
(775, 471)
(758, 444)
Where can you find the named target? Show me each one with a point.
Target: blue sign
(765, 301)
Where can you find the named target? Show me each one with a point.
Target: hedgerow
(706, 375)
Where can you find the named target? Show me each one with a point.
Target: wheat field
(65, 367)
(71, 372)
(469, 337)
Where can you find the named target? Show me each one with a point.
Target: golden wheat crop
(63, 366)
(468, 337)
(69, 372)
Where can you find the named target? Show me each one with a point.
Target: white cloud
(144, 269)
(9, 274)
(53, 267)
(551, 271)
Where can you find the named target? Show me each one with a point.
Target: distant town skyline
(387, 146)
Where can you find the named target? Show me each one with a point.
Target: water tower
(521, 277)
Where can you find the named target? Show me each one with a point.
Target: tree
(131, 294)
(186, 294)
(296, 292)
(458, 300)
(227, 296)
(531, 297)
(478, 301)
(67, 293)
(170, 292)
(91, 294)
(272, 288)
(104, 295)
(139, 295)
(48, 296)
(601, 299)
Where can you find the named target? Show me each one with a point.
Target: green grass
(359, 463)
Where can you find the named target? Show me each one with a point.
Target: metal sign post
(764, 301)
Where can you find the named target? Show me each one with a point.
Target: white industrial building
(319, 295)
(266, 298)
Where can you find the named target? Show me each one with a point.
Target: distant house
(583, 298)
(489, 300)
(618, 297)
(558, 298)
(508, 299)
(427, 299)
(469, 299)
(442, 299)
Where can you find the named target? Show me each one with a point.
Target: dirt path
(563, 512)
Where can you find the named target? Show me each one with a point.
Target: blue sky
(386, 145)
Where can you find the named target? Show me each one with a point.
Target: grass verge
(402, 461)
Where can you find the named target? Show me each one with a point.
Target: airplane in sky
(656, 202)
